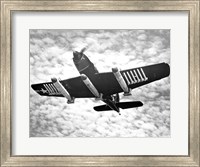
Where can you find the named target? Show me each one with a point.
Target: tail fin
(123, 105)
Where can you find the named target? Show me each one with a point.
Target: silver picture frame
(7, 7)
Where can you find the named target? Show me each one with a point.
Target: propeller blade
(83, 50)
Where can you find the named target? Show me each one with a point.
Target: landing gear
(115, 98)
(111, 103)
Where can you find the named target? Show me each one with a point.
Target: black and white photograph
(97, 83)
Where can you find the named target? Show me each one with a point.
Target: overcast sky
(51, 55)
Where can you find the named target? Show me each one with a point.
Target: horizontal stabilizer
(123, 105)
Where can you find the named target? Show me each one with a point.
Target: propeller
(78, 55)
(83, 50)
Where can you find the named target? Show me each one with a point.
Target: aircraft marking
(135, 81)
(55, 89)
(129, 77)
(51, 89)
(145, 78)
(140, 75)
(135, 76)
(43, 90)
(84, 68)
(46, 88)
(126, 78)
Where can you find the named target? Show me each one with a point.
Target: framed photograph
(100, 83)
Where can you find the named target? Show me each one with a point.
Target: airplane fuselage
(86, 67)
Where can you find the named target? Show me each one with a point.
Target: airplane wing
(143, 75)
(135, 77)
(74, 86)
(106, 83)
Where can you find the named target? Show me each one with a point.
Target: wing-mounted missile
(91, 87)
(62, 90)
(121, 81)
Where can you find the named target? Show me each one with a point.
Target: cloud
(51, 55)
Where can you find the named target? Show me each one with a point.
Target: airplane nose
(76, 55)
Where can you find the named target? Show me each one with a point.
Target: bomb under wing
(121, 81)
(90, 86)
(62, 90)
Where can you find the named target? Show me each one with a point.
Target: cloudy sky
(51, 55)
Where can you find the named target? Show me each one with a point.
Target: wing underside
(136, 77)
(105, 83)
(143, 75)
(74, 86)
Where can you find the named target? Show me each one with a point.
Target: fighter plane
(102, 86)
